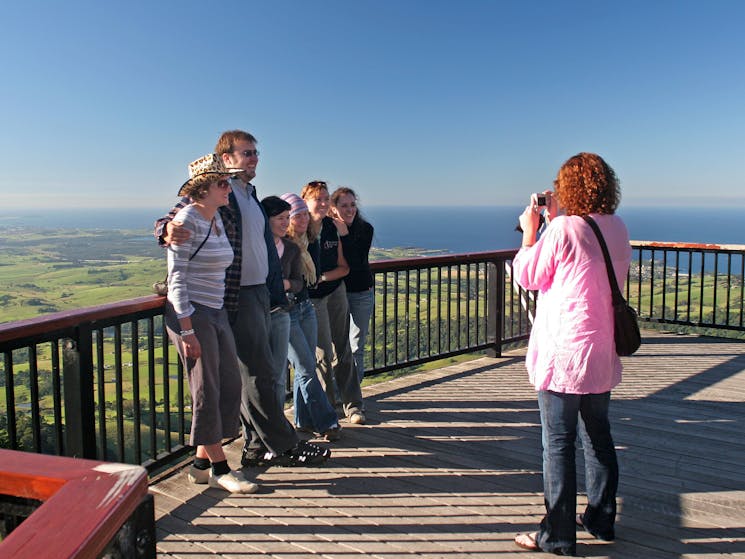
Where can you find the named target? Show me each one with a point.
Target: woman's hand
(530, 218)
(192, 349)
(552, 204)
(341, 227)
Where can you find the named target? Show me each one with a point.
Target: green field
(44, 271)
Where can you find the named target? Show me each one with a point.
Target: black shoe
(307, 454)
(608, 536)
(253, 457)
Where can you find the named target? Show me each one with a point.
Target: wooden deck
(449, 466)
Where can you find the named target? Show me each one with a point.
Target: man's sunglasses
(249, 152)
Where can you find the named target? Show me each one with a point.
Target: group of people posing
(251, 285)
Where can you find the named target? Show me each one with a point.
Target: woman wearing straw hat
(198, 325)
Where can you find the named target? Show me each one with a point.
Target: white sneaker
(233, 481)
(357, 417)
(198, 476)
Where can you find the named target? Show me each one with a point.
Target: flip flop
(527, 541)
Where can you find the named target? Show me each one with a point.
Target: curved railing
(104, 382)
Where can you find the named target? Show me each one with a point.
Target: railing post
(494, 318)
(77, 367)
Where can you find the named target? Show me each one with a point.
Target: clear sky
(410, 102)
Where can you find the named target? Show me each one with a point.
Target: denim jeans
(312, 408)
(334, 360)
(360, 309)
(279, 337)
(560, 423)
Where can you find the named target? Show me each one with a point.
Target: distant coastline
(456, 229)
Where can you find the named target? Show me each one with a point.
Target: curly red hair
(587, 184)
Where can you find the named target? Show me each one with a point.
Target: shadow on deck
(449, 466)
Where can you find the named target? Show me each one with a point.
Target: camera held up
(540, 200)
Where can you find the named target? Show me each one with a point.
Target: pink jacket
(571, 348)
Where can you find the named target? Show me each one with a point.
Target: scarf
(309, 267)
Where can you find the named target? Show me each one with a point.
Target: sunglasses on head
(317, 183)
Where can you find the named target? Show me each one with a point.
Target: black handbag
(625, 320)
(161, 287)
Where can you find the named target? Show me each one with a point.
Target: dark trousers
(334, 358)
(560, 415)
(263, 419)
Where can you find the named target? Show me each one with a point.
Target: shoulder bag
(625, 320)
(161, 287)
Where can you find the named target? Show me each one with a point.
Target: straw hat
(206, 166)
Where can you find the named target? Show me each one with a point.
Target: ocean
(455, 229)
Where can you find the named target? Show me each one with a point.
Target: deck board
(449, 466)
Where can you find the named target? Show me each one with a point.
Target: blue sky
(410, 102)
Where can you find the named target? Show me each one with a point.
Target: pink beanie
(297, 204)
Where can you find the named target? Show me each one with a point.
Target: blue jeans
(560, 415)
(279, 337)
(312, 408)
(360, 308)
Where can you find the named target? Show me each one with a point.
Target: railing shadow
(439, 440)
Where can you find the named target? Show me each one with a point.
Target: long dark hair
(343, 190)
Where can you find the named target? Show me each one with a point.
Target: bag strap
(617, 297)
(212, 224)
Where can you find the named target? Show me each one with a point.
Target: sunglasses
(223, 184)
(317, 183)
(249, 152)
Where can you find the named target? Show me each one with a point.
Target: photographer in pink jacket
(571, 357)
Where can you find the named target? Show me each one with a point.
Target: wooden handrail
(395, 264)
(85, 503)
(687, 246)
(52, 322)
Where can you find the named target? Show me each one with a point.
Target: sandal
(527, 541)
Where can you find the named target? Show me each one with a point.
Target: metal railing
(437, 307)
(105, 383)
(688, 284)
(100, 383)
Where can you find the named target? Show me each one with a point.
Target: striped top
(202, 279)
